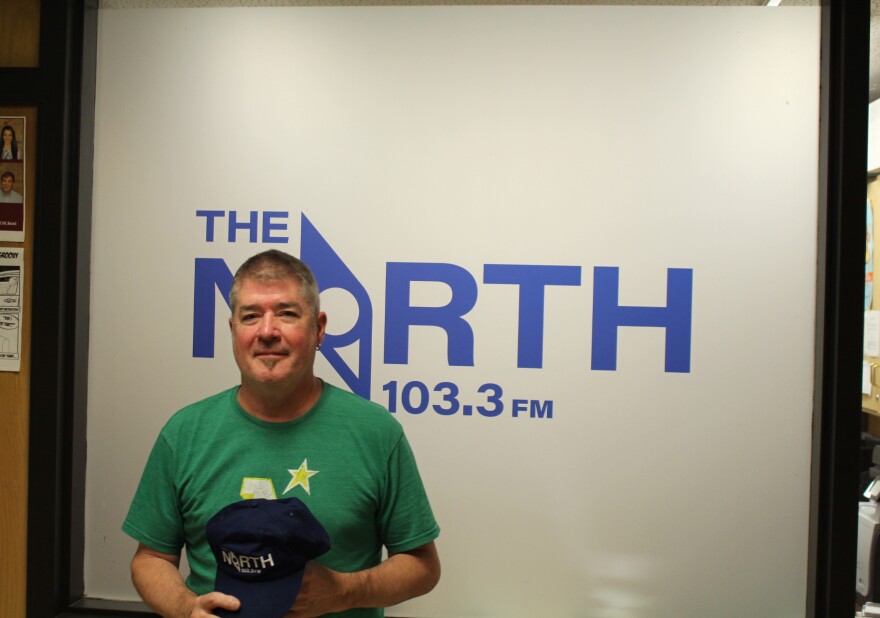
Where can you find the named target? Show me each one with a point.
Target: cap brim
(266, 599)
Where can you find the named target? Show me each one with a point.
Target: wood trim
(20, 33)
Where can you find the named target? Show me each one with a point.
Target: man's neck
(275, 403)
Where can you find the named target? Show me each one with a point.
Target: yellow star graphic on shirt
(301, 477)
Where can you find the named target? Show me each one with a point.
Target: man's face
(274, 332)
(6, 184)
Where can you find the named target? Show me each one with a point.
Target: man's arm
(402, 576)
(160, 584)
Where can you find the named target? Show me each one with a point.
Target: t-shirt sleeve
(154, 517)
(405, 519)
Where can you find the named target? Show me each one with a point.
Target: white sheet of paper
(872, 333)
(11, 278)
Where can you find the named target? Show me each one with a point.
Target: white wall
(641, 138)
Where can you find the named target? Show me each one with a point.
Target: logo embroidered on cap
(247, 564)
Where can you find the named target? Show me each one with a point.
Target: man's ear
(322, 326)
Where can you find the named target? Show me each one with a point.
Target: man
(7, 195)
(284, 433)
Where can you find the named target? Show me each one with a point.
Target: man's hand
(402, 576)
(322, 591)
(161, 586)
(203, 606)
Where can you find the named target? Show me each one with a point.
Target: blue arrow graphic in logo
(331, 272)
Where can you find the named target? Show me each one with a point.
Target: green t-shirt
(347, 459)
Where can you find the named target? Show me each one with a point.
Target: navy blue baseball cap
(262, 547)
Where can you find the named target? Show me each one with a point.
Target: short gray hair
(272, 265)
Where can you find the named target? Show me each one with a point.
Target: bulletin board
(871, 367)
(16, 275)
(572, 194)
